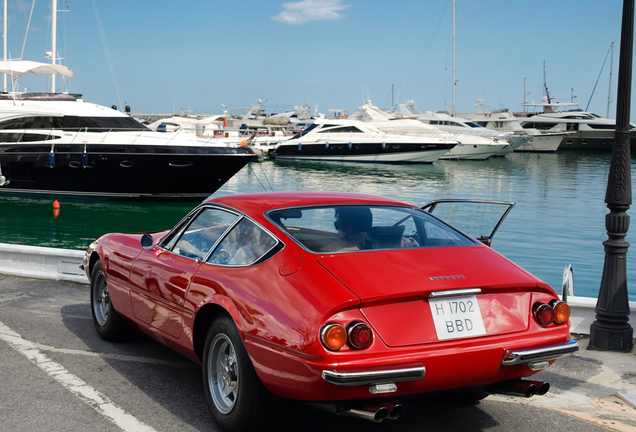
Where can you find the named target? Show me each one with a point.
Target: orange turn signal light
(561, 311)
(333, 336)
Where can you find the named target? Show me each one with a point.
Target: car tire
(237, 398)
(109, 324)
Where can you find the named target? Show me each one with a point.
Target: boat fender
(85, 160)
(51, 159)
(244, 143)
(350, 145)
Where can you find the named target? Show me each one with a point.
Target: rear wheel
(237, 399)
(108, 323)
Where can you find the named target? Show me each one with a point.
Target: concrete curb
(42, 262)
(583, 314)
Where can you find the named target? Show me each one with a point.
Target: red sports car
(329, 298)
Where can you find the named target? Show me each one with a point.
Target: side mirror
(146, 241)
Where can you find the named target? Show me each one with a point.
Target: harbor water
(558, 219)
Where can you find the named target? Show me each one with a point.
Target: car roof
(258, 203)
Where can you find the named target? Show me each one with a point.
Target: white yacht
(584, 130)
(56, 144)
(262, 134)
(356, 141)
(475, 142)
(504, 121)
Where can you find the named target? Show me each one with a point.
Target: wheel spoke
(223, 370)
(101, 300)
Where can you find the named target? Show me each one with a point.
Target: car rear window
(344, 228)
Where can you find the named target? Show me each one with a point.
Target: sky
(200, 56)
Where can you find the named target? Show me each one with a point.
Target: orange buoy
(244, 143)
(56, 204)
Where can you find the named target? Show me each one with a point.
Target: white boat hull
(474, 151)
(542, 143)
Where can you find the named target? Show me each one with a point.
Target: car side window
(203, 232)
(245, 244)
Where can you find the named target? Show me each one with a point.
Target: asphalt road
(56, 374)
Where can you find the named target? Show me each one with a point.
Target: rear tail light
(543, 314)
(358, 335)
(561, 311)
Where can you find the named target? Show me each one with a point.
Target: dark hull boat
(118, 172)
(55, 144)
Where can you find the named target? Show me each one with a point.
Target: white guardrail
(64, 264)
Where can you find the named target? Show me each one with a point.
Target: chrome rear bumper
(350, 379)
(536, 358)
(542, 354)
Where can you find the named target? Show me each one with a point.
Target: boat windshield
(473, 124)
(346, 228)
(74, 123)
(304, 132)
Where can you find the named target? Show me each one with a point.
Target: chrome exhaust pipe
(375, 414)
(542, 387)
(519, 387)
(394, 410)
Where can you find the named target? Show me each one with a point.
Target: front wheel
(237, 399)
(109, 325)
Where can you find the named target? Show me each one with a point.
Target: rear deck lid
(395, 288)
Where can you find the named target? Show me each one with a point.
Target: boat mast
(609, 93)
(53, 37)
(454, 76)
(4, 36)
(545, 84)
(524, 96)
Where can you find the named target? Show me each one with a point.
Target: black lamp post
(611, 330)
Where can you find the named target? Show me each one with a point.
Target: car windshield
(363, 227)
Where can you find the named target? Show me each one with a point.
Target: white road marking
(75, 385)
(136, 359)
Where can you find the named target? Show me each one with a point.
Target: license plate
(457, 317)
